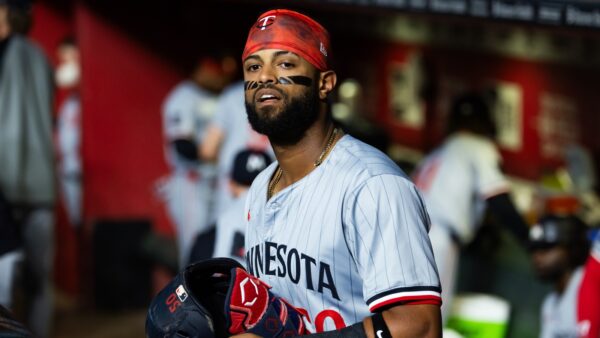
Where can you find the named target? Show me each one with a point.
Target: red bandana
(292, 31)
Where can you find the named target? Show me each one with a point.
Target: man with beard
(334, 226)
(559, 248)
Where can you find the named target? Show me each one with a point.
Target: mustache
(268, 85)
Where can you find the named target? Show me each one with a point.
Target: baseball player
(459, 181)
(188, 192)
(229, 133)
(559, 248)
(231, 225)
(333, 226)
(68, 134)
(588, 304)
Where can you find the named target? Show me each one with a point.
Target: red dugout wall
(123, 88)
(123, 85)
(455, 70)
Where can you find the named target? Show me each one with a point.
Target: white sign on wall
(405, 83)
(508, 115)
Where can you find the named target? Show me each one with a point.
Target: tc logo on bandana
(265, 22)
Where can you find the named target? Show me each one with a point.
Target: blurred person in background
(231, 224)
(189, 189)
(228, 133)
(68, 133)
(459, 181)
(588, 305)
(559, 247)
(27, 164)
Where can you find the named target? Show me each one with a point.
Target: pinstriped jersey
(345, 240)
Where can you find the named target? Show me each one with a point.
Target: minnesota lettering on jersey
(278, 260)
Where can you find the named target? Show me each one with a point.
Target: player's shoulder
(177, 94)
(234, 91)
(185, 93)
(23, 44)
(351, 154)
(468, 142)
(468, 147)
(27, 49)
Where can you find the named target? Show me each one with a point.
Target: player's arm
(503, 209)
(209, 149)
(402, 321)
(386, 231)
(420, 320)
(493, 186)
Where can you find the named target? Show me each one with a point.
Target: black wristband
(380, 328)
(353, 331)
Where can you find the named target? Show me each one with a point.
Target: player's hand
(251, 308)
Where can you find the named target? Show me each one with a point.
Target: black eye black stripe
(250, 85)
(296, 79)
(284, 80)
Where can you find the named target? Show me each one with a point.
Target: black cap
(472, 112)
(552, 230)
(248, 164)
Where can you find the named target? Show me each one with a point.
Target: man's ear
(327, 81)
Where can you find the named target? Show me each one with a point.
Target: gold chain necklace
(317, 163)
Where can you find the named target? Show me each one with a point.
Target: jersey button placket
(273, 207)
(270, 212)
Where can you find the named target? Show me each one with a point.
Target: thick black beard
(289, 126)
(552, 275)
